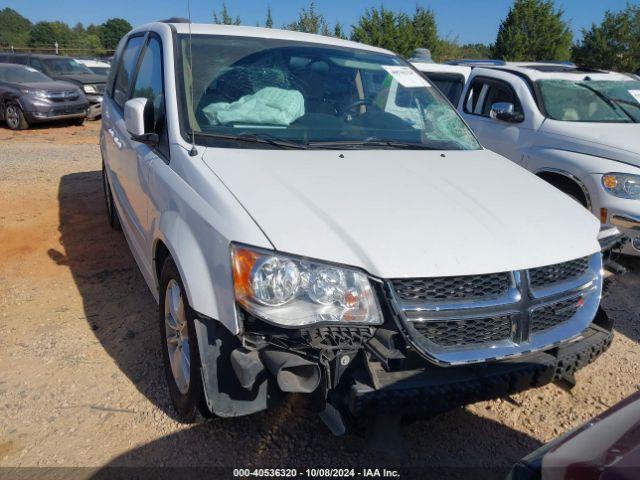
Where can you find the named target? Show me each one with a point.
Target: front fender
(208, 285)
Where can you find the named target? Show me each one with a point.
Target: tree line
(19, 33)
(533, 30)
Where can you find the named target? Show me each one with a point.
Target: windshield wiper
(610, 101)
(253, 138)
(374, 142)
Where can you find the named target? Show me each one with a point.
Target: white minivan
(313, 216)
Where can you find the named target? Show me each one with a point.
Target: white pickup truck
(576, 128)
(312, 216)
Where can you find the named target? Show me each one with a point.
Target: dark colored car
(68, 70)
(605, 448)
(29, 96)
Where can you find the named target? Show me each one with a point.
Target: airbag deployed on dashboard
(270, 105)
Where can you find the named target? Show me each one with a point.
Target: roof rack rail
(175, 20)
(476, 62)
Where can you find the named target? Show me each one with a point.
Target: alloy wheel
(12, 116)
(177, 336)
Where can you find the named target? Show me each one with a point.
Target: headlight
(35, 92)
(623, 185)
(292, 291)
(90, 89)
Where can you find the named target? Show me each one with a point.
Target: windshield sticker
(635, 94)
(406, 77)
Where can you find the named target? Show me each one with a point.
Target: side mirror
(138, 118)
(505, 111)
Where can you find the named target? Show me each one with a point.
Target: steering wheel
(359, 103)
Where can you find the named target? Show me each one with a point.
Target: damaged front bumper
(354, 372)
(544, 324)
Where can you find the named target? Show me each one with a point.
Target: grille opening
(469, 331)
(550, 316)
(559, 272)
(469, 287)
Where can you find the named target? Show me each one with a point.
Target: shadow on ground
(290, 437)
(122, 314)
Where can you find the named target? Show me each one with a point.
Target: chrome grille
(468, 319)
(64, 96)
(560, 272)
(464, 332)
(469, 287)
(554, 314)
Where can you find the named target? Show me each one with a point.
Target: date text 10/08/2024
(316, 473)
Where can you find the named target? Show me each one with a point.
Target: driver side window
(149, 84)
(500, 93)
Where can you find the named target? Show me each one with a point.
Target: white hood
(407, 213)
(615, 141)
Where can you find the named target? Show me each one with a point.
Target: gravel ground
(81, 380)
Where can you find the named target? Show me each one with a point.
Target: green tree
(46, 34)
(338, 31)
(386, 29)
(426, 31)
(93, 29)
(269, 22)
(475, 50)
(112, 31)
(309, 21)
(224, 18)
(86, 44)
(533, 30)
(612, 45)
(14, 28)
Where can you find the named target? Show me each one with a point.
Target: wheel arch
(556, 177)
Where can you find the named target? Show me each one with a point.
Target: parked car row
(52, 73)
(312, 216)
(576, 128)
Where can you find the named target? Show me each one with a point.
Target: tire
(112, 213)
(179, 345)
(78, 122)
(14, 117)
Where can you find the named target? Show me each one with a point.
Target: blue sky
(469, 21)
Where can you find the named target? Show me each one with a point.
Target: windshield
(312, 95)
(65, 66)
(100, 70)
(13, 74)
(591, 100)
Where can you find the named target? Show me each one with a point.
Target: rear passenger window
(149, 84)
(125, 70)
(450, 85)
(37, 64)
